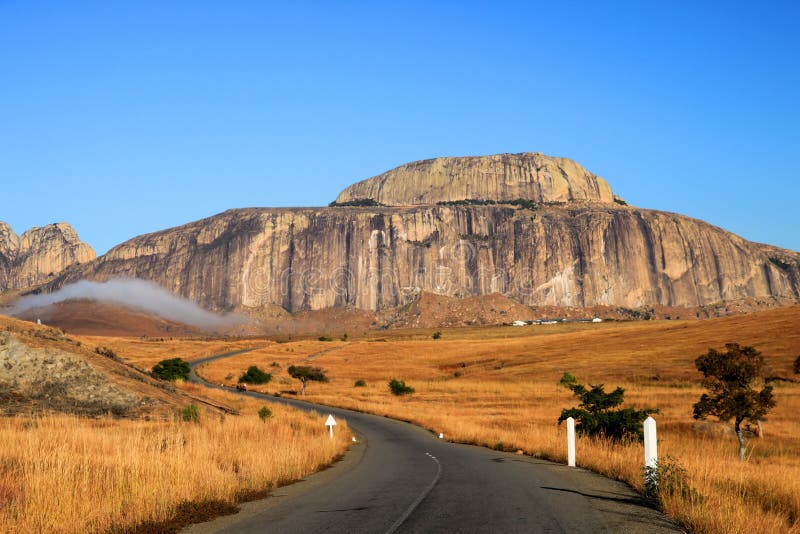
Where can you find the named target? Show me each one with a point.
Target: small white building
(519, 323)
(597, 320)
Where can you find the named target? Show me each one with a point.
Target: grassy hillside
(91, 444)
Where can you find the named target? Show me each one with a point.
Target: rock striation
(376, 258)
(39, 254)
(530, 176)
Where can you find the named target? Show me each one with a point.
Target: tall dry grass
(500, 391)
(62, 474)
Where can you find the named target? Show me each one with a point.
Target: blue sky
(126, 118)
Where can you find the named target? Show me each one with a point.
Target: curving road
(400, 478)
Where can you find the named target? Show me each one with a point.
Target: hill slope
(41, 370)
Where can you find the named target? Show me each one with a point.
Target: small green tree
(437, 335)
(172, 369)
(306, 374)
(360, 383)
(598, 413)
(732, 378)
(254, 375)
(191, 414)
(264, 413)
(399, 387)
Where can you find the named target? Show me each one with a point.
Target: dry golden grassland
(69, 474)
(497, 387)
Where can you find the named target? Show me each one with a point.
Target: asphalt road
(401, 478)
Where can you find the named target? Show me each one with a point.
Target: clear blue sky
(125, 118)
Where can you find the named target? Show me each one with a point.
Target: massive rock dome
(503, 177)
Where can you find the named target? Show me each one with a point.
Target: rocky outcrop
(375, 258)
(39, 254)
(567, 243)
(57, 380)
(503, 177)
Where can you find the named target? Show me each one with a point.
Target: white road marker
(650, 445)
(570, 441)
(330, 423)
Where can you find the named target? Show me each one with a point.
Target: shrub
(360, 383)
(356, 202)
(399, 387)
(254, 375)
(567, 380)
(105, 351)
(797, 366)
(324, 338)
(191, 414)
(437, 335)
(344, 337)
(172, 369)
(669, 478)
(264, 413)
(596, 416)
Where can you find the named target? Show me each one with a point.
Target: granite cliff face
(38, 254)
(374, 258)
(566, 243)
(530, 176)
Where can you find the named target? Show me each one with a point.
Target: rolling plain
(498, 387)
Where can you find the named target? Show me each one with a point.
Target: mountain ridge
(588, 249)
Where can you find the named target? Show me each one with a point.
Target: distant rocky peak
(39, 254)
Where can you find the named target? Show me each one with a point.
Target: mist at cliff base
(134, 293)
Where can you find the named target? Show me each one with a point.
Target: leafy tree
(264, 413)
(254, 375)
(306, 374)
(730, 378)
(399, 387)
(598, 413)
(360, 383)
(172, 369)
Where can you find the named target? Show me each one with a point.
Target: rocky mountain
(530, 176)
(543, 231)
(39, 254)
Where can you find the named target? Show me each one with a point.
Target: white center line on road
(410, 510)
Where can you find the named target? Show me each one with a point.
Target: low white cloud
(142, 295)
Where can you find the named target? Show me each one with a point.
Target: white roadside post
(570, 441)
(330, 423)
(650, 450)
